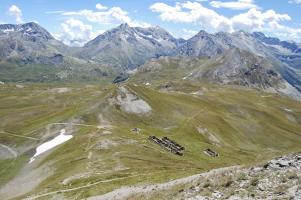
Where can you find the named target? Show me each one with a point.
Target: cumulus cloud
(76, 33)
(256, 19)
(235, 5)
(101, 7)
(252, 20)
(108, 16)
(16, 12)
(192, 12)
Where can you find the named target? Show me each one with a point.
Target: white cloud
(192, 12)
(295, 1)
(101, 7)
(76, 33)
(109, 16)
(235, 5)
(252, 20)
(256, 20)
(16, 12)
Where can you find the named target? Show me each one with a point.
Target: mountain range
(176, 109)
(239, 58)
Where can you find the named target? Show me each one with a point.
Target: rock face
(128, 47)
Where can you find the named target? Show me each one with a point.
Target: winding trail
(78, 188)
(73, 124)
(21, 136)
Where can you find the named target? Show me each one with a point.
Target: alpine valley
(139, 114)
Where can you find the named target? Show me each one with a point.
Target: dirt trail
(72, 124)
(77, 188)
(126, 192)
(16, 135)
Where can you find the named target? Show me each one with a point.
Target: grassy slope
(70, 70)
(250, 125)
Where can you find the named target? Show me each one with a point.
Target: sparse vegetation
(241, 176)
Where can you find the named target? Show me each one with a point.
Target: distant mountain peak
(202, 33)
(29, 30)
(129, 47)
(291, 45)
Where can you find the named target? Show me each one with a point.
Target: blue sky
(77, 21)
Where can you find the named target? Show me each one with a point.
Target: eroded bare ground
(25, 181)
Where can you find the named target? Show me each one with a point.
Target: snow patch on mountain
(60, 139)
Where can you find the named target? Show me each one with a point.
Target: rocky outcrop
(279, 178)
(129, 102)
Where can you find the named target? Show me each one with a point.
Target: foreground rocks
(279, 178)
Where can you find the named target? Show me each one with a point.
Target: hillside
(105, 153)
(234, 67)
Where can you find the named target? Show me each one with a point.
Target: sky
(75, 22)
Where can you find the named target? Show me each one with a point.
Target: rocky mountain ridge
(126, 48)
